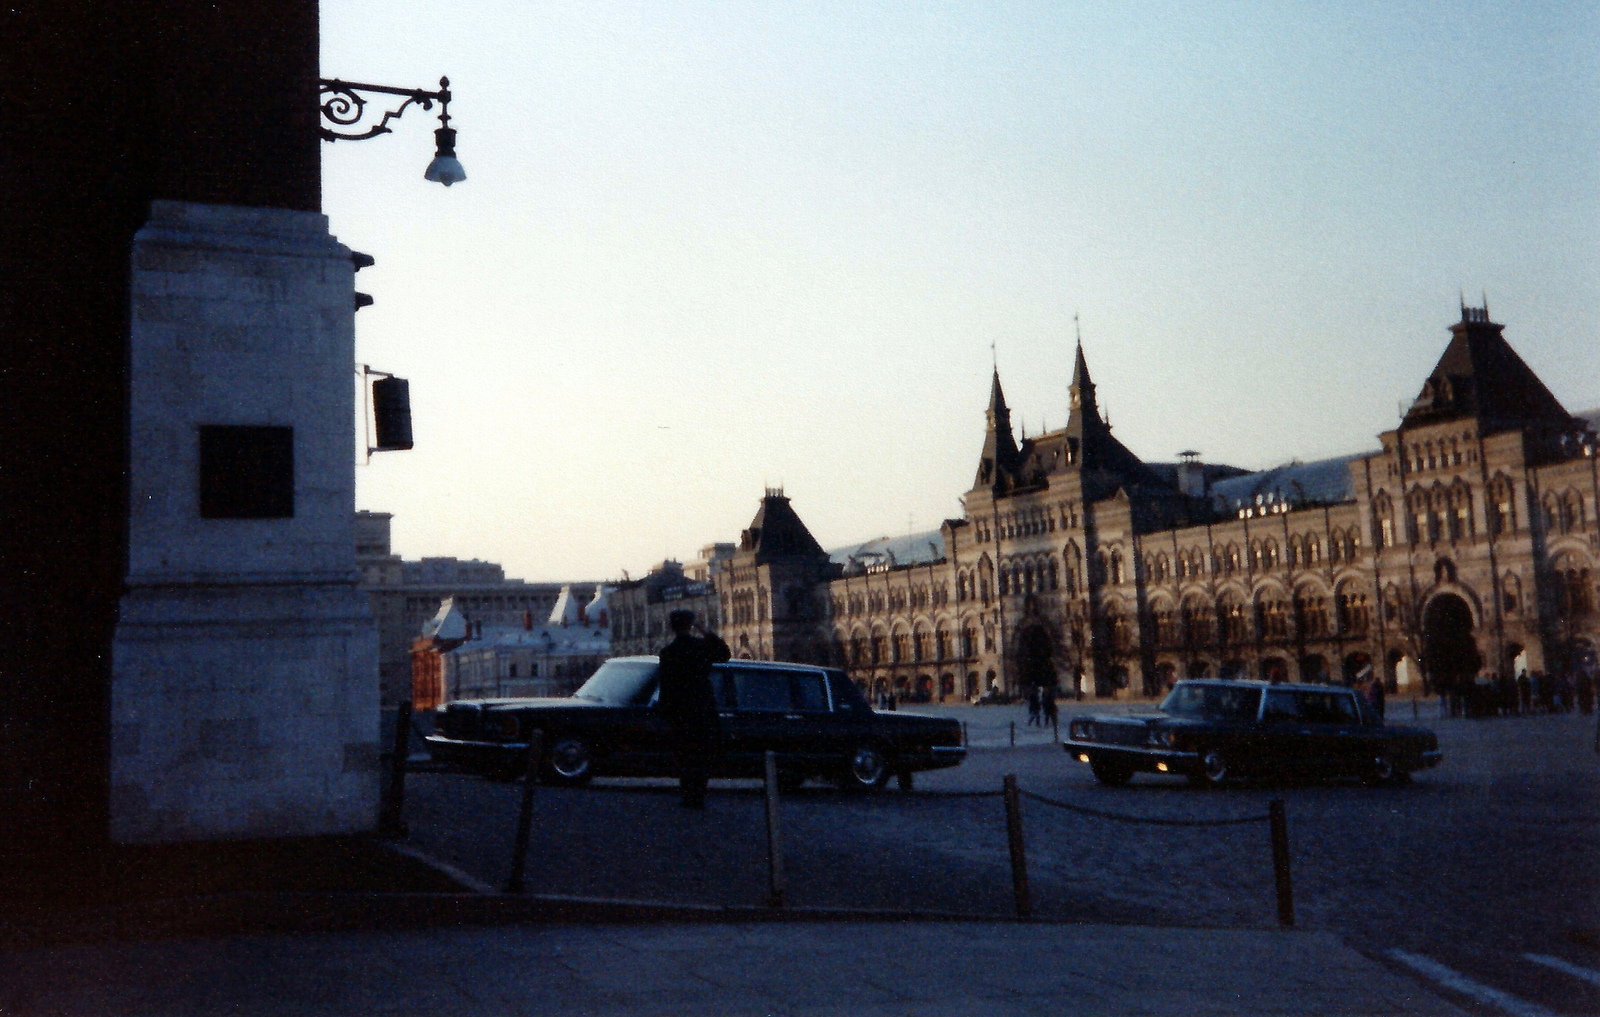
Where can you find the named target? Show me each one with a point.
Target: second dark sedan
(1211, 731)
(814, 718)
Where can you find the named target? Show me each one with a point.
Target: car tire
(1381, 770)
(866, 768)
(1214, 769)
(569, 761)
(1109, 772)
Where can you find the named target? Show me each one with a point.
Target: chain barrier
(1151, 820)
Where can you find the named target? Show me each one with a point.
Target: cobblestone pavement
(859, 969)
(1478, 866)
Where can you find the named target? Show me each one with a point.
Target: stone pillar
(244, 692)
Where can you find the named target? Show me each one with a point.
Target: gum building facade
(1465, 544)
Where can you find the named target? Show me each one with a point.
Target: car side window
(722, 686)
(1318, 708)
(1344, 708)
(809, 692)
(761, 691)
(1281, 705)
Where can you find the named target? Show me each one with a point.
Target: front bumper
(1139, 757)
(475, 754)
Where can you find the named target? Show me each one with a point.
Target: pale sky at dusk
(703, 249)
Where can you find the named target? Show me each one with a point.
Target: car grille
(1117, 734)
(459, 721)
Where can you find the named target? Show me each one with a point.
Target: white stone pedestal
(244, 690)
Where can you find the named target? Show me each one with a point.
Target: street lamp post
(344, 105)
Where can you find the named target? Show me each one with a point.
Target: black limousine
(814, 718)
(1210, 731)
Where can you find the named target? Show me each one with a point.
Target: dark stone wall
(104, 106)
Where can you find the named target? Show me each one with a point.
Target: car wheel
(865, 769)
(1109, 773)
(1213, 769)
(570, 760)
(1382, 770)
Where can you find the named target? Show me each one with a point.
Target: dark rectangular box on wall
(246, 472)
(391, 414)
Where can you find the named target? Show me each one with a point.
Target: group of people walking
(1042, 705)
(1530, 692)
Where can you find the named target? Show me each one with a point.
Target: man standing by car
(688, 703)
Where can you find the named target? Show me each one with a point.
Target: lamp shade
(445, 167)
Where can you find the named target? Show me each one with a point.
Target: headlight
(1160, 738)
(1079, 730)
(502, 726)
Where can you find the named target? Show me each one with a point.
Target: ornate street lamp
(344, 106)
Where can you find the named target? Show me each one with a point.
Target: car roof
(737, 664)
(1256, 683)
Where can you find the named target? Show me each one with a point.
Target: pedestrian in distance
(1033, 705)
(689, 704)
(1524, 693)
(1051, 712)
(1375, 692)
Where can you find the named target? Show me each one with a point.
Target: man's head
(681, 621)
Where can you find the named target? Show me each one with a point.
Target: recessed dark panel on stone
(246, 472)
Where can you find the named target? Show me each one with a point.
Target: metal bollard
(774, 848)
(1019, 857)
(1280, 862)
(390, 821)
(964, 742)
(519, 852)
(1055, 724)
(1013, 734)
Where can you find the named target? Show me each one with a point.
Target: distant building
(1469, 538)
(454, 658)
(406, 594)
(639, 607)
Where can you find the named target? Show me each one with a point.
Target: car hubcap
(1383, 768)
(867, 765)
(1216, 766)
(570, 758)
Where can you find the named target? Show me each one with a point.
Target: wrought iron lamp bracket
(343, 105)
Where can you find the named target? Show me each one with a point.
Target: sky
(709, 248)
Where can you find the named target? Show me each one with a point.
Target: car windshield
(1214, 702)
(619, 682)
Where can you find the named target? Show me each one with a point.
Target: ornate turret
(999, 447)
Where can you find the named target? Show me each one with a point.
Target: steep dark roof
(1480, 376)
(892, 552)
(1107, 464)
(777, 532)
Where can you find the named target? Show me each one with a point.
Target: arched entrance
(1035, 657)
(1450, 657)
(1314, 668)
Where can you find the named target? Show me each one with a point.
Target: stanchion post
(774, 847)
(1019, 857)
(1055, 725)
(519, 852)
(390, 820)
(1013, 734)
(964, 742)
(1280, 862)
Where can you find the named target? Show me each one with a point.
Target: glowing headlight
(1160, 738)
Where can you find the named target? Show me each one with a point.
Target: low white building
(552, 659)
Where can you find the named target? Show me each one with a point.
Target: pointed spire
(997, 398)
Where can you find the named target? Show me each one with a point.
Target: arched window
(1116, 568)
(1383, 521)
(1051, 568)
(1503, 509)
(1313, 549)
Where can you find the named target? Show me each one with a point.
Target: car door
(761, 703)
(1282, 736)
(1353, 742)
(640, 739)
(1326, 738)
